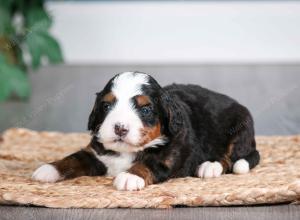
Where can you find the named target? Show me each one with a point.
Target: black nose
(120, 130)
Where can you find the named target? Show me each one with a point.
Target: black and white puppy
(145, 134)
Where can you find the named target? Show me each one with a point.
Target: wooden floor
(274, 212)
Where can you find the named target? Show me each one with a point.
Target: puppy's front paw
(210, 169)
(128, 181)
(46, 173)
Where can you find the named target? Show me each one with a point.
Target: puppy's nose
(120, 130)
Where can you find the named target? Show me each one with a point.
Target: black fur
(201, 125)
(211, 122)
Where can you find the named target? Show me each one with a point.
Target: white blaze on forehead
(125, 86)
(129, 84)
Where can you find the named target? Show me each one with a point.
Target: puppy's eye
(146, 110)
(106, 106)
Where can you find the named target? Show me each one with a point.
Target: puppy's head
(131, 113)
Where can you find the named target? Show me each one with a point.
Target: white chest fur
(116, 163)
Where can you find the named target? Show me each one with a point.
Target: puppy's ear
(172, 114)
(94, 117)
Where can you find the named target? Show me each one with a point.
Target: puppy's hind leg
(244, 165)
(240, 156)
(244, 155)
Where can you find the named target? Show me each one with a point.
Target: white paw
(46, 173)
(241, 166)
(128, 181)
(210, 169)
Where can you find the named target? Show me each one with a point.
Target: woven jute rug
(275, 180)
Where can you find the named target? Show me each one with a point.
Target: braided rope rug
(275, 180)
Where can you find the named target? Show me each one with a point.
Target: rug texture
(275, 180)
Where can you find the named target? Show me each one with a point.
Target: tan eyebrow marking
(142, 100)
(109, 97)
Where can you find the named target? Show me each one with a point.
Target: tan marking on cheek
(141, 170)
(142, 100)
(109, 97)
(150, 133)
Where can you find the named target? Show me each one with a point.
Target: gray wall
(63, 96)
(158, 32)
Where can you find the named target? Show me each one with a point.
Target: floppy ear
(172, 113)
(94, 117)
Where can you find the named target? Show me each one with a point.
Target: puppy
(145, 134)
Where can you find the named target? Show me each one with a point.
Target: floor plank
(274, 212)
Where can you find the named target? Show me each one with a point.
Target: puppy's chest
(117, 163)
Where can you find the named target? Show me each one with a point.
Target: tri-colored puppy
(145, 134)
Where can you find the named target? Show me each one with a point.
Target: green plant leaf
(40, 44)
(5, 24)
(34, 44)
(52, 49)
(5, 88)
(37, 20)
(20, 84)
(31, 31)
(7, 3)
(12, 81)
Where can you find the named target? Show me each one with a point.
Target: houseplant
(24, 33)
